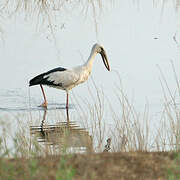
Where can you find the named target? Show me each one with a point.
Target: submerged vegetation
(47, 10)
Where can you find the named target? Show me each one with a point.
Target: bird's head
(100, 49)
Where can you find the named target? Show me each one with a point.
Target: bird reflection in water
(66, 136)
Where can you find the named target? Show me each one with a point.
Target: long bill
(105, 60)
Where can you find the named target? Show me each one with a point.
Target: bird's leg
(67, 100)
(67, 107)
(42, 123)
(67, 113)
(45, 101)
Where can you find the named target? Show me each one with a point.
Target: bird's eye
(102, 49)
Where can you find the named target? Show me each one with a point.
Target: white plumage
(66, 79)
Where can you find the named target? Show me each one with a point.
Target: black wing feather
(41, 80)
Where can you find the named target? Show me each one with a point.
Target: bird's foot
(44, 105)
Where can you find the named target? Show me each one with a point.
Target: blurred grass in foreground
(131, 165)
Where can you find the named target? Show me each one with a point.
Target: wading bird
(66, 79)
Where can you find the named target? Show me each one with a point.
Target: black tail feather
(41, 80)
(36, 80)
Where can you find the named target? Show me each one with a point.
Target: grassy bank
(131, 165)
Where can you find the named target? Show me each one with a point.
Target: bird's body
(62, 78)
(66, 79)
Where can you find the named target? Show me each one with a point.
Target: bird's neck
(90, 60)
